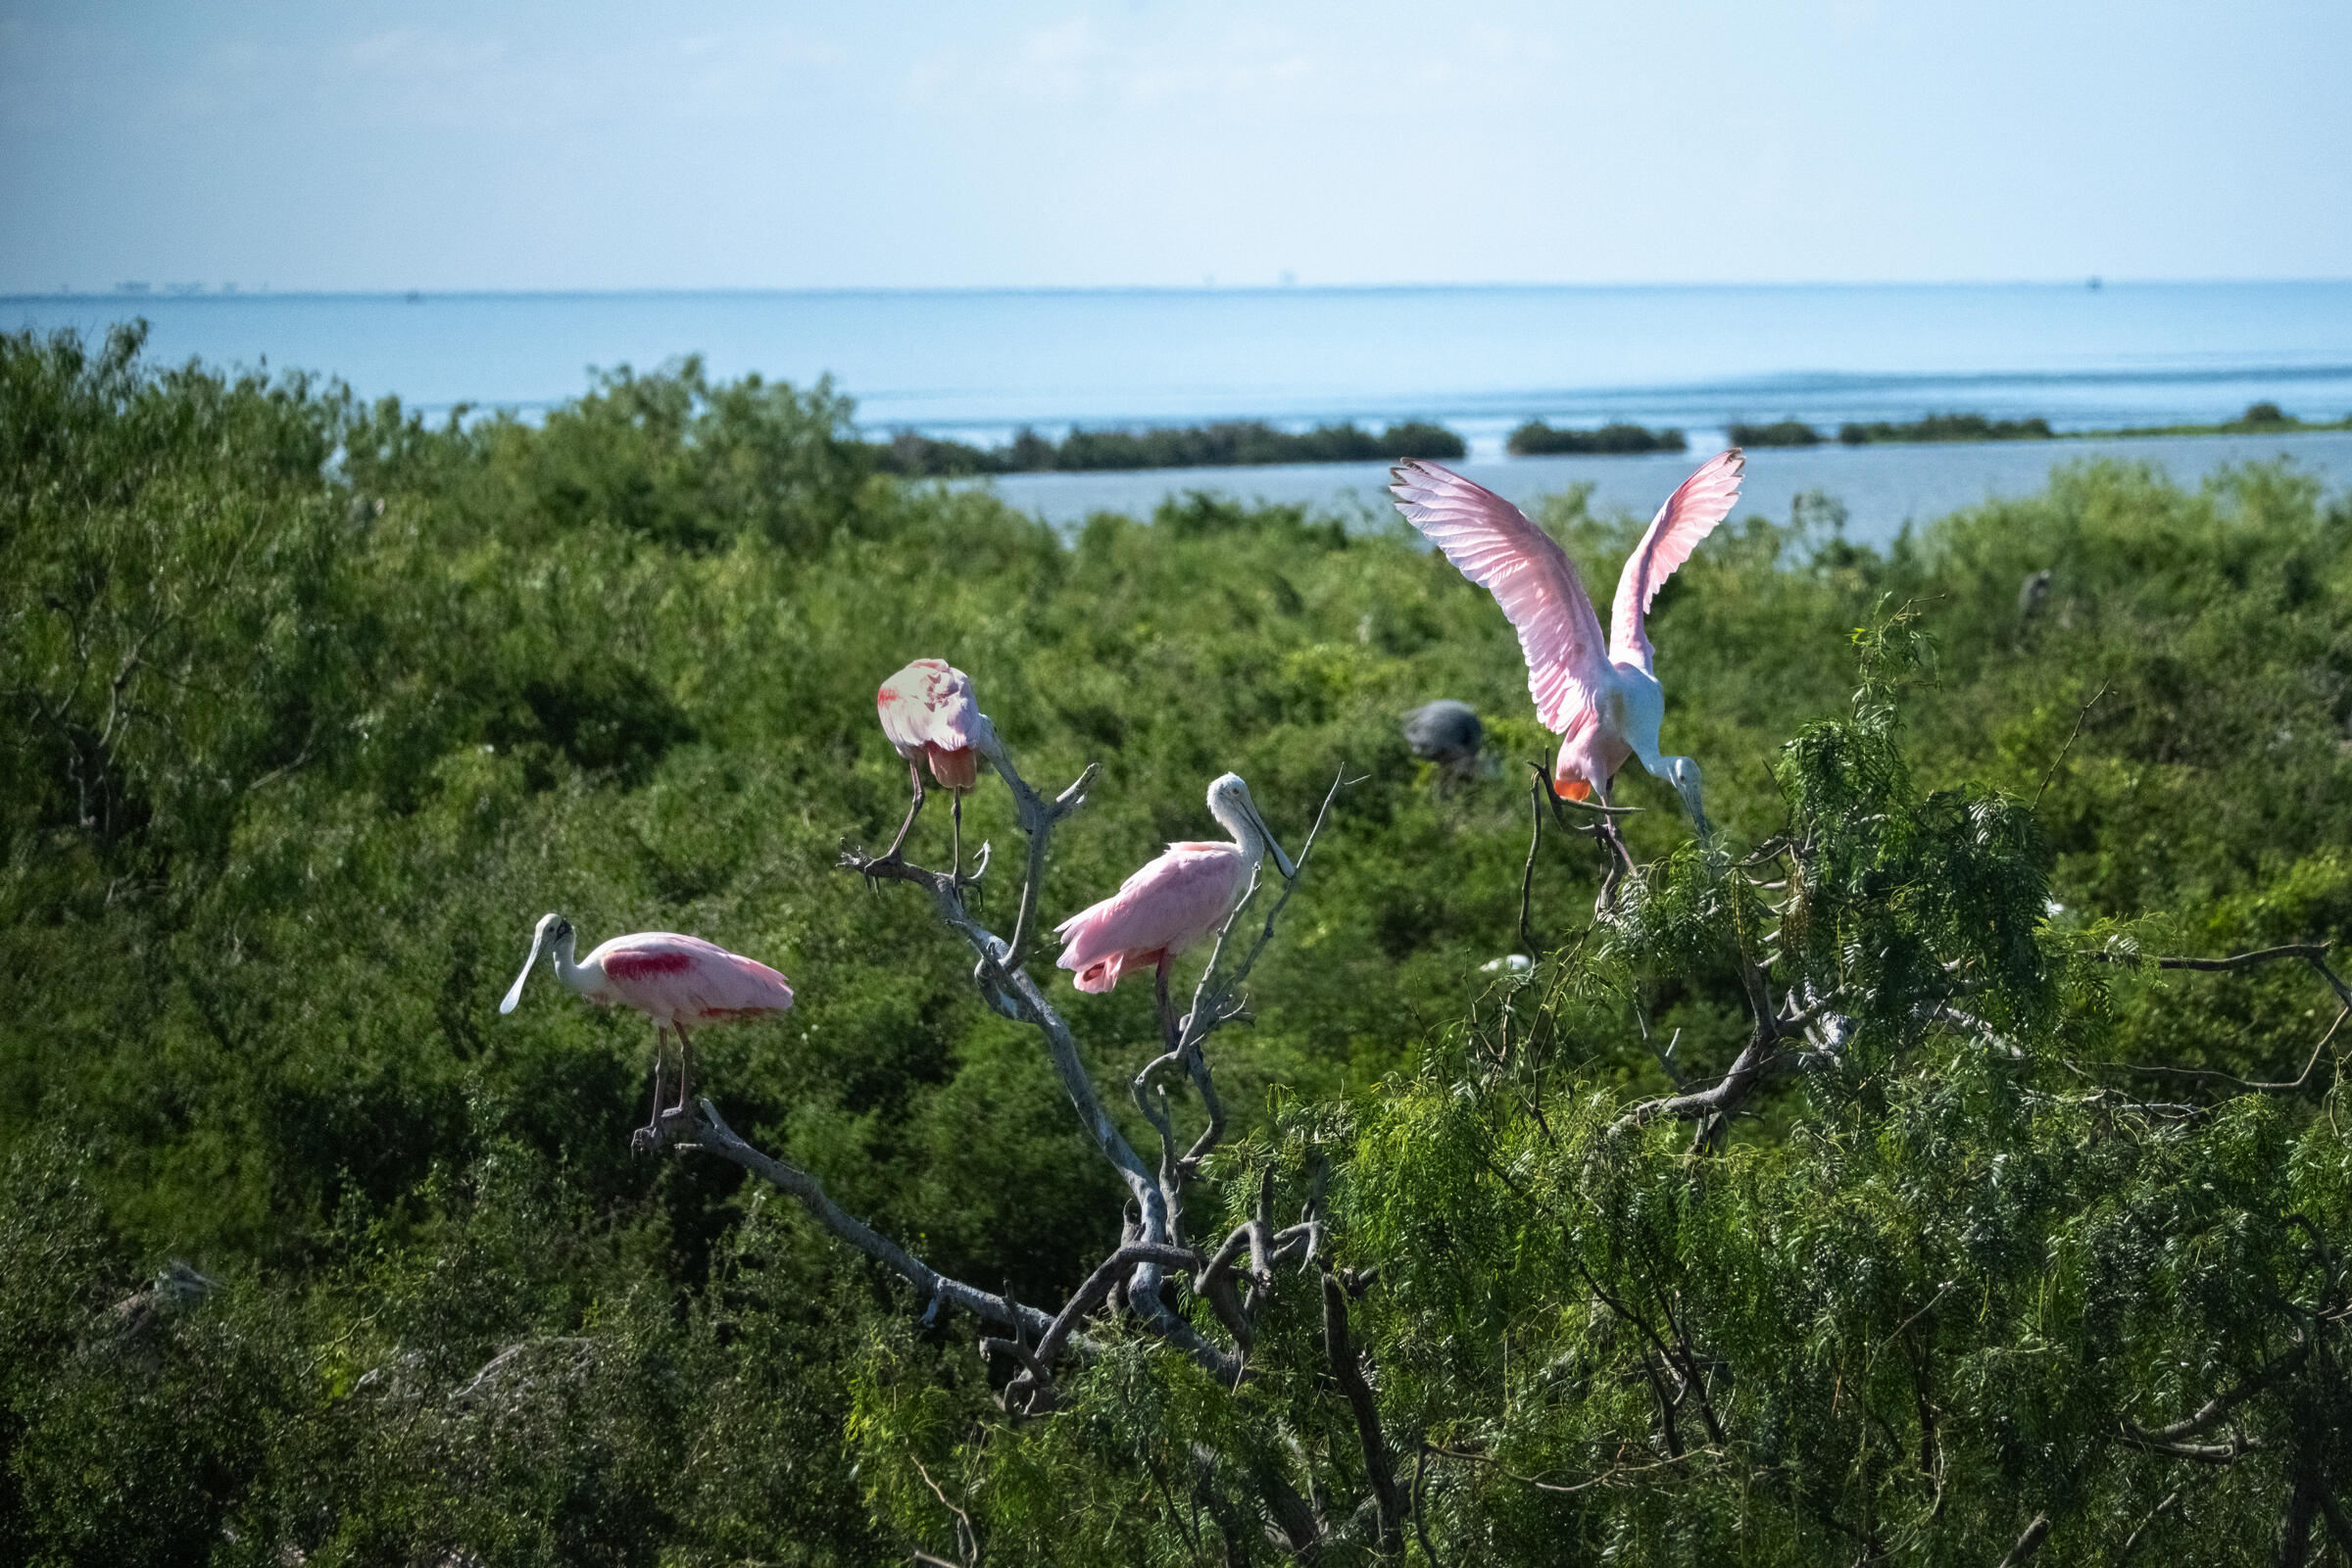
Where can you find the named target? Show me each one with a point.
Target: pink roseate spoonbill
(1174, 901)
(931, 716)
(671, 979)
(1601, 699)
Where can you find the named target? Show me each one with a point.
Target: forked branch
(1133, 1275)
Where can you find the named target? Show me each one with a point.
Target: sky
(435, 146)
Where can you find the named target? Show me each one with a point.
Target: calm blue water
(1881, 487)
(1483, 358)
(978, 363)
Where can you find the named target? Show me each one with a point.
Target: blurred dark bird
(1448, 733)
(2031, 593)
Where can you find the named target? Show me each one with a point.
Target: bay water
(976, 364)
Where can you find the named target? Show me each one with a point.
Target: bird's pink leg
(956, 812)
(652, 1126)
(1159, 994)
(685, 1072)
(915, 775)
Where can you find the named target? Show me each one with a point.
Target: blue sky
(445, 146)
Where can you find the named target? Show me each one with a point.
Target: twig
(1609, 1477)
(1527, 877)
(2052, 771)
(2299, 1081)
(965, 1537)
(2131, 1541)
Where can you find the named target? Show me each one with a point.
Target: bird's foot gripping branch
(1234, 1278)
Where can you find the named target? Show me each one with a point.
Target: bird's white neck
(573, 976)
(1244, 832)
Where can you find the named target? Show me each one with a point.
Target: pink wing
(675, 978)
(1688, 516)
(929, 702)
(1529, 575)
(1172, 902)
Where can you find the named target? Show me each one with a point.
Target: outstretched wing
(1529, 575)
(1688, 516)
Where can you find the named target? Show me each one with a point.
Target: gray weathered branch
(713, 1135)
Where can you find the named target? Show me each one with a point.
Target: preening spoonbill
(1601, 699)
(1173, 902)
(930, 716)
(671, 979)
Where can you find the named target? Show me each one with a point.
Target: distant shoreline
(1248, 444)
(135, 293)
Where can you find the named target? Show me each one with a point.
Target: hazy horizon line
(148, 293)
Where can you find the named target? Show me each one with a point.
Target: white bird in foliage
(1603, 699)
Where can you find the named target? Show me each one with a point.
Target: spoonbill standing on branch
(671, 979)
(1601, 699)
(930, 716)
(1173, 902)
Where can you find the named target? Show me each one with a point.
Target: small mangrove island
(1536, 439)
(1231, 444)
(2260, 419)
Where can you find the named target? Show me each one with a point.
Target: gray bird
(1448, 733)
(2031, 594)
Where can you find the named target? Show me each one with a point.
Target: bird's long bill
(1281, 859)
(515, 990)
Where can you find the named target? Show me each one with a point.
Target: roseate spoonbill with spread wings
(930, 716)
(1174, 901)
(671, 979)
(1601, 699)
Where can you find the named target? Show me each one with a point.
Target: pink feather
(928, 711)
(1688, 516)
(1163, 909)
(675, 979)
(1529, 575)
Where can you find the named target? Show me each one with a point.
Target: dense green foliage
(1536, 439)
(1945, 428)
(1231, 444)
(1777, 433)
(312, 707)
(2260, 419)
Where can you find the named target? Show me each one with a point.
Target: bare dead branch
(2029, 1543)
(710, 1134)
(2170, 1440)
(2052, 771)
(1748, 1072)
(1347, 1367)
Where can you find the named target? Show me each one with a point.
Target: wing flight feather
(1495, 546)
(1688, 516)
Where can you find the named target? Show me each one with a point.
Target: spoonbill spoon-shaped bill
(931, 718)
(1174, 901)
(674, 980)
(1601, 698)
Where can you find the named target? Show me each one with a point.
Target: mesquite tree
(1234, 1280)
(1895, 1262)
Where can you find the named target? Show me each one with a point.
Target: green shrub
(1779, 433)
(312, 707)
